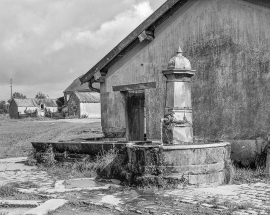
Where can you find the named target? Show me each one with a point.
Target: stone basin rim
(180, 147)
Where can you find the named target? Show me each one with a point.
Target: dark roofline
(70, 91)
(34, 102)
(154, 20)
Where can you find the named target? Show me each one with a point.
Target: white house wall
(52, 109)
(22, 109)
(92, 110)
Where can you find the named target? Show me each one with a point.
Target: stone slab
(82, 183)
(48, 206)
(6, 166)
(20, 203)
(13, 160)
(111, 199)
(13, 211)
(72, 185)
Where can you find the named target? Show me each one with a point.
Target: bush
(3, 107)
(84, 116)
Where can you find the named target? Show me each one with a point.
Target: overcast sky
(46, 44)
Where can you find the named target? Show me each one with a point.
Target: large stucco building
(228, 44)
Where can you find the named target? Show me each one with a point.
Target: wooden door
(135, 115)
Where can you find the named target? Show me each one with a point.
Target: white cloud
(110, 31)
(13, 42)
(45, 45)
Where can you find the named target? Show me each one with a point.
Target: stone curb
(20, 203)
(48, 206)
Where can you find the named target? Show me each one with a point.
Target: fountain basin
(91, 148)
(207, 164)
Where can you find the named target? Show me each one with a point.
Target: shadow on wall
(249, 153)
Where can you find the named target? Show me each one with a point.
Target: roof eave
(150, 21)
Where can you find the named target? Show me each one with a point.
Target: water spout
(161, 127)
(162, 121)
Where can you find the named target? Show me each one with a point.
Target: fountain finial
(179, 62)
(179, 50)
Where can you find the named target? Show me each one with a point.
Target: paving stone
(188, 201)
(13, 211)
(239, 213)
(119, 209)
(263, 213)
(223, 207)
(207, 205)
(252, 212)
(48, 206)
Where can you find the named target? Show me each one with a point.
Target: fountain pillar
(177, 126)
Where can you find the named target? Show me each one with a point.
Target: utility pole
(11, 88)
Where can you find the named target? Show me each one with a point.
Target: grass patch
(249, 175)
(111, 164)
(10, 191)
(16, 135)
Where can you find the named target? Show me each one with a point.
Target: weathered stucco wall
(228, 43)
(91, 110)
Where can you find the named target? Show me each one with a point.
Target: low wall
(208, 164)
(246, 152)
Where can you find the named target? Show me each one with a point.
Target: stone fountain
(178, 158)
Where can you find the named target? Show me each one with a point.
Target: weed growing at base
(105, 165)
(248, 175)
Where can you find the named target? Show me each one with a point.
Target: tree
(3, 107)
(17, 95)
(41, 96)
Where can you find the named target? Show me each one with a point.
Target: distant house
(76, 86)
(38, 106)
(84, 104)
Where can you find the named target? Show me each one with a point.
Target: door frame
(127, 115)
(124, 89)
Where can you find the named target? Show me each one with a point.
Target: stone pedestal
(177, 126)
(177, 122)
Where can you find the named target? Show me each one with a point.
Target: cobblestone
(16, 172)
(241, 199)
(254, 196)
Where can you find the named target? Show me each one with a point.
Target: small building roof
(88, 97)
(35, 102)
(77, 86)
